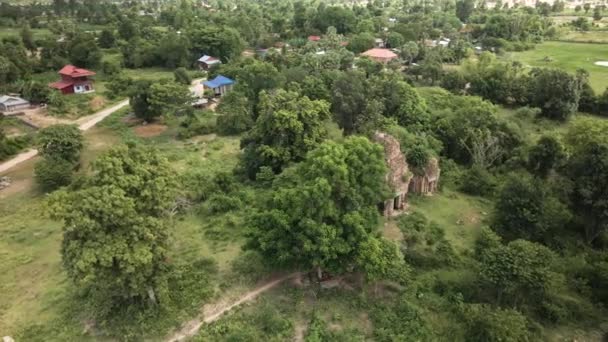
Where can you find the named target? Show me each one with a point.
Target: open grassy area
(32, 280)
(570, 57)
(600, 37)
(462, 216)
(6, 32)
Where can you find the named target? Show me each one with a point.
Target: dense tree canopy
(327, 217)
(115, 241)
(287, 128)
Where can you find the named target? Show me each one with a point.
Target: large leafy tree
(349, 100)
(526, 209)
(61, 141)
(151, 100)
(517, 273)
(464, 9)
(221, 42)
(555, 92)
(115, 241)
(236, 114)
(287, 128)
(84, 52)
(587, 169)
(327, 217)
(546, 155)
(471, 132)
(401, 101)
(487, 324)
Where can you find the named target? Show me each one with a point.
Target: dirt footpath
(213, 312)
(84, 124)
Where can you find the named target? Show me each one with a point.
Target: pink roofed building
(380, 55)
(314, 38)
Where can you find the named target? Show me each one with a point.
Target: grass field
(6, 32)
(570, 57)
(600, 37)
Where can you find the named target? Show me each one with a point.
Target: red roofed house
(74, 80)
(380, 55)
(314, 38)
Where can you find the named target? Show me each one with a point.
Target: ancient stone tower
(401, 179)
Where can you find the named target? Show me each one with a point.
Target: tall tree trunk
(152, 295)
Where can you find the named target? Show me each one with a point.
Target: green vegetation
(450, 187)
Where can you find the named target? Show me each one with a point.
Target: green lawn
(462, 216)
(570, 57)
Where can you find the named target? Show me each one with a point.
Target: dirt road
(83, 123)
(216, 311)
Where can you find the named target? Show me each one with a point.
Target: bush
(119, 85)
(486, 324)
(197, 124)
(249, 265)
(221, 203)
(12, 146)
(478, 181)
(110, 68)
(399, 321)
(418, 157)
(53, 173)
(181, 76)
(61, 142)
(234, 123)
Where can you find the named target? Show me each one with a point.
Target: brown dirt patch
(39, 117)
(149, 130)
(97, 103)
(17, 186)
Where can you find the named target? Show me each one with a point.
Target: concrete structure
(10, 104)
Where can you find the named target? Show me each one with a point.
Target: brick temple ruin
(401, 179)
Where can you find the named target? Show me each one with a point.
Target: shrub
(221, 203)
(181, 76)
(399, 321)
(486, 324)
(53, 173)
(478, 181)
(197, 124)
(234, 123)
(61, 142)
(12, 146)
(110, 68)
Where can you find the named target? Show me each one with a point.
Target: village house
(74, 80)
(379, 43)
(206, 62)
(314, 38)
(10, 104)
(220, 85)
(380, 55)
(401, 179)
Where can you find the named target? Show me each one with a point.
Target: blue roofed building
(220, 85)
